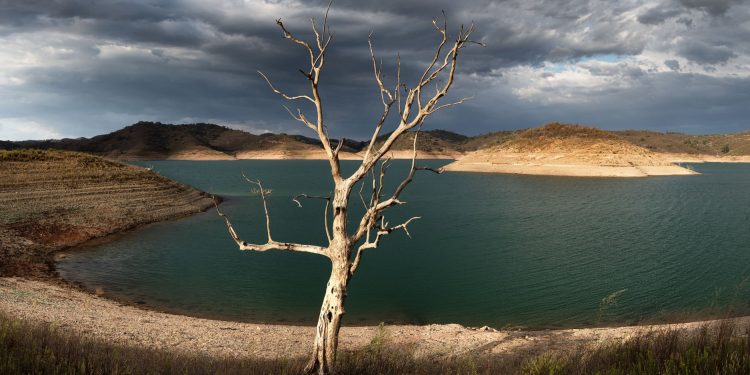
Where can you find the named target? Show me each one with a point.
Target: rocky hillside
(54, 199)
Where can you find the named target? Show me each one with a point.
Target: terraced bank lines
(50, 200)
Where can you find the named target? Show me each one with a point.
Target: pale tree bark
(344, 249)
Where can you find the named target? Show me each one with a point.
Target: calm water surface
(491, 249)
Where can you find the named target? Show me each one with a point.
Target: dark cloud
(713, 7)
(672, 64)
(80, 68)
(704, 53)
(658, 14)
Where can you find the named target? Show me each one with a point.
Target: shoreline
(520, 168)
(406, 154)
(82, 313)
(284, 155)
(569, 170)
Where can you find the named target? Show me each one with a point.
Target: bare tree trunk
(413, 108)
(329, 321)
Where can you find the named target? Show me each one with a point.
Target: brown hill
(430, 144)
(677, 143)
(564, 149)
(153, 140)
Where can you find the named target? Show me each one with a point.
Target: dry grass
(720, 349)
(42, 349)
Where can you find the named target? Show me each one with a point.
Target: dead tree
(413, 105)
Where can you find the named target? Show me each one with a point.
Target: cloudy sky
(72, 68)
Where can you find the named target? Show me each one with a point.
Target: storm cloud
(74, 68)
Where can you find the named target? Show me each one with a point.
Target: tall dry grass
(43, 349)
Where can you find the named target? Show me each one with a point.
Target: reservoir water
(490, 249)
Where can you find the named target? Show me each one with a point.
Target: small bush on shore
(43, 349)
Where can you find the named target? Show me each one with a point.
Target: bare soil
(81, 313)
(51, 200)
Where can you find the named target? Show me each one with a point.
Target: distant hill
(438, 142)
(570, 144)
(569, 150)
(154, 140)
(715, 144)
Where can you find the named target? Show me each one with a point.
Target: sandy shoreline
(460, 165)
(317, 154)
(569, 169)
(82, 313)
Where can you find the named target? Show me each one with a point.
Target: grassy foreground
(43, 349)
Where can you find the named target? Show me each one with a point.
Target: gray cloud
(704, 53)
(82, 68)
(713, 7)
(672, 64)
(658, 15)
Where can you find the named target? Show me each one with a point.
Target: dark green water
(491, 249)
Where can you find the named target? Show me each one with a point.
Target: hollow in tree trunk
(329, 321)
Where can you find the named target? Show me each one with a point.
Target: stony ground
(50, 200)
(82, 313)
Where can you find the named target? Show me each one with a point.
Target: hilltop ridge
(201, 141)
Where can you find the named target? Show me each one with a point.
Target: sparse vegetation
(27, 348)
(558, 130)
(722, 349)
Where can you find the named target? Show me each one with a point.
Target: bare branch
(339, 145)
(283, 95)
(270, 245)
(300, 117)
(265, 205)
(382, 230)
(452, 104)
(413, 101)
(386, 96)
(294, 39)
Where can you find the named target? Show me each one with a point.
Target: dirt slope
(54, 199)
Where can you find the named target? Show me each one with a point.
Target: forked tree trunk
(329, 321)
